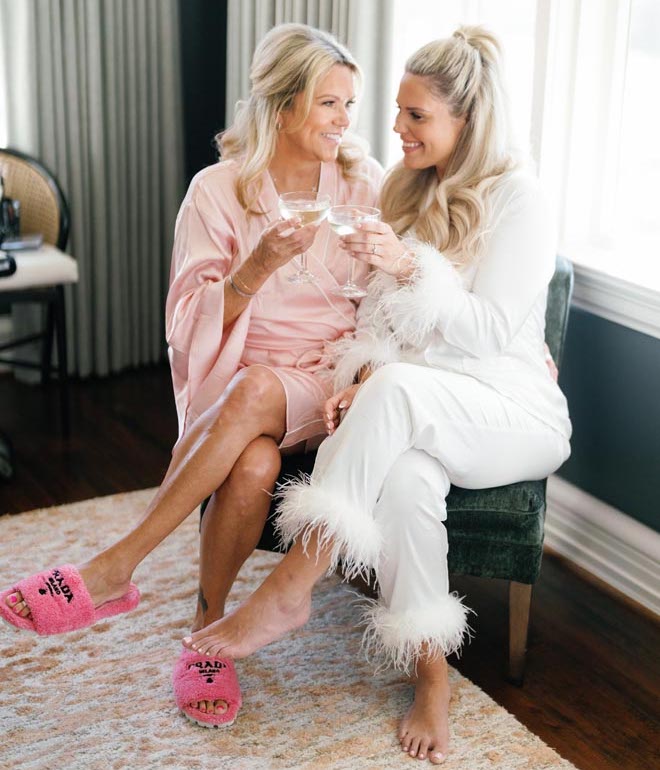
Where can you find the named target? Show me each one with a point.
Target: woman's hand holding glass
(281, 242)
(335, 407)
(344, 220)
(378, 245)
(310, 208)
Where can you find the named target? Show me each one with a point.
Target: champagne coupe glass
(344, 220)
(310, 208)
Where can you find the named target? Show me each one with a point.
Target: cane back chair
(40, 276)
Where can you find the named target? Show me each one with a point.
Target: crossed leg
(252, 406)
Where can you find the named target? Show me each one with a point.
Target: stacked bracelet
(241, 292)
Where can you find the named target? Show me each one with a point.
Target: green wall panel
(611, 378)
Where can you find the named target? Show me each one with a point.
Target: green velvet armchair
(497, 532)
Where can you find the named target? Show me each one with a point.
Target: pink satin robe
(285, 327)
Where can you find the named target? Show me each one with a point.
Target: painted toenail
(187, 639)
(13, 599)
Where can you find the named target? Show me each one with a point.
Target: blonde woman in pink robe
(247, 346)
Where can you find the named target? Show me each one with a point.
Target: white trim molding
(614, 547)
(615, 299)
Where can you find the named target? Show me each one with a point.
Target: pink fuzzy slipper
(59, 602)
(201, 677)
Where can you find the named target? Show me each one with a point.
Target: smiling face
(319, 137)
(428, 130)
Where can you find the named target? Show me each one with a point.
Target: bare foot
(268, 614)
(101, 579)
(424, 731)
(203, 619)
(211, 706)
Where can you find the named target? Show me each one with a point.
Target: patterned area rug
(102, 698)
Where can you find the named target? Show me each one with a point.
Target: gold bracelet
(244, 286)
(240, 292)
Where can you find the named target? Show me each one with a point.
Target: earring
(278, 126)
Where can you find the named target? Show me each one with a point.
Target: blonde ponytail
(452, 213)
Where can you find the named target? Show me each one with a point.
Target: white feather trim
(416, 308)
(372, 344)
(365, 349)
(398, 638)
(306, 507)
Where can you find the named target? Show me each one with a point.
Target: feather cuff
(398, 638)
(306, 507)
(416, 309)
(365, 349)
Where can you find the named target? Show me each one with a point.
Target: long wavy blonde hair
(452, 213)
(291, 59)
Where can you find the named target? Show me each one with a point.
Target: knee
(254, 392)
(416, 480)
(254, 387)
(258, 466)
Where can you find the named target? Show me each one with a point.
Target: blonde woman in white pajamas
(445, 382)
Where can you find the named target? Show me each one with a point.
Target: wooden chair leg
(520, 597)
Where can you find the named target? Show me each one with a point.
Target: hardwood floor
(593, 675)
(122, 432)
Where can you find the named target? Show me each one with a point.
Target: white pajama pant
(377, 493)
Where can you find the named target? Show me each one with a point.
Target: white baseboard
(619, 550)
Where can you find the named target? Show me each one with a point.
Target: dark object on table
(7, 265)
(10, 214)
(10, 225)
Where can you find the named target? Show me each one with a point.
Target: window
(17, 31)
(595, 124)
(637, 195)
(4, 106)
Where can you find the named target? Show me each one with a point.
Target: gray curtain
(365, 26)
(101, 107)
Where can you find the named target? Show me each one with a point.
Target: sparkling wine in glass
(344, 220)
(311, 208)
